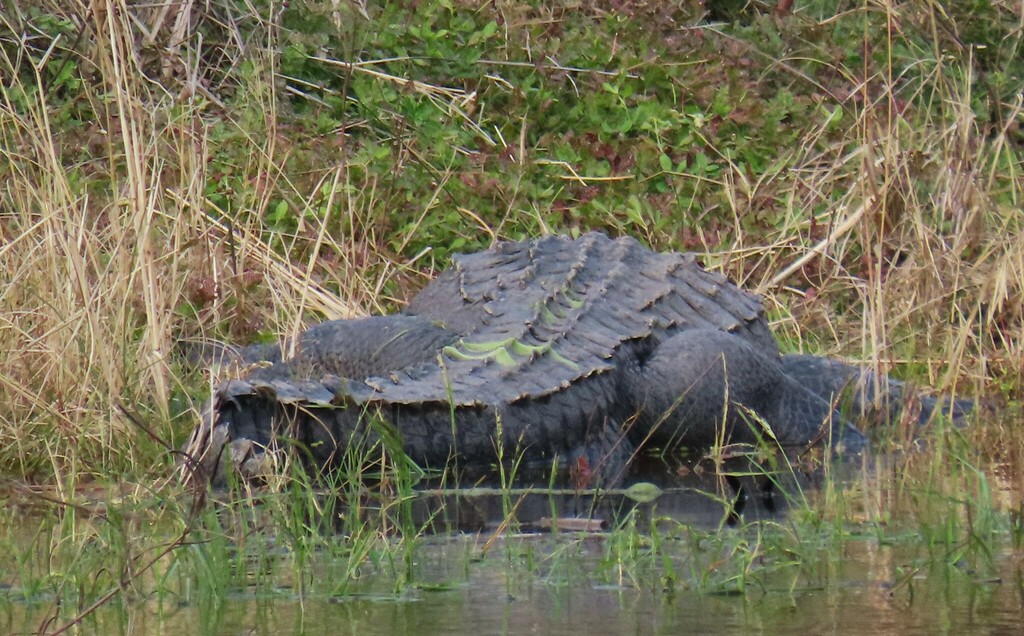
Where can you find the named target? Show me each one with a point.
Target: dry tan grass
(932, 267)
(96, 274)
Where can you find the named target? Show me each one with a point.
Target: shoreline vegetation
(239, 170)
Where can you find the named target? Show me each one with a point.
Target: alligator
(572, 351)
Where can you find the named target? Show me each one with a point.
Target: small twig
(555, 66)
(191, 464)
(824, 243)
(792, 70)
(421, 87)
(32, 492)
(70, 50)
(122, 583)
(190, 461)
(145, 429)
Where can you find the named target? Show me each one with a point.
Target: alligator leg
(602, 459)
(705, 386)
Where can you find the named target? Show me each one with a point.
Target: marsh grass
(229, 173)
(349, 538)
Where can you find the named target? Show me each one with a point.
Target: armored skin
(575, 351)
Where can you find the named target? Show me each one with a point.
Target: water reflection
(693, 491)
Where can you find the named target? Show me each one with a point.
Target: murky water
(677, 565)
(486, 598)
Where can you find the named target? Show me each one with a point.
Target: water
(680, 564)
(487, 599)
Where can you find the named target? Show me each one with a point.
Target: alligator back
(537, 316)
